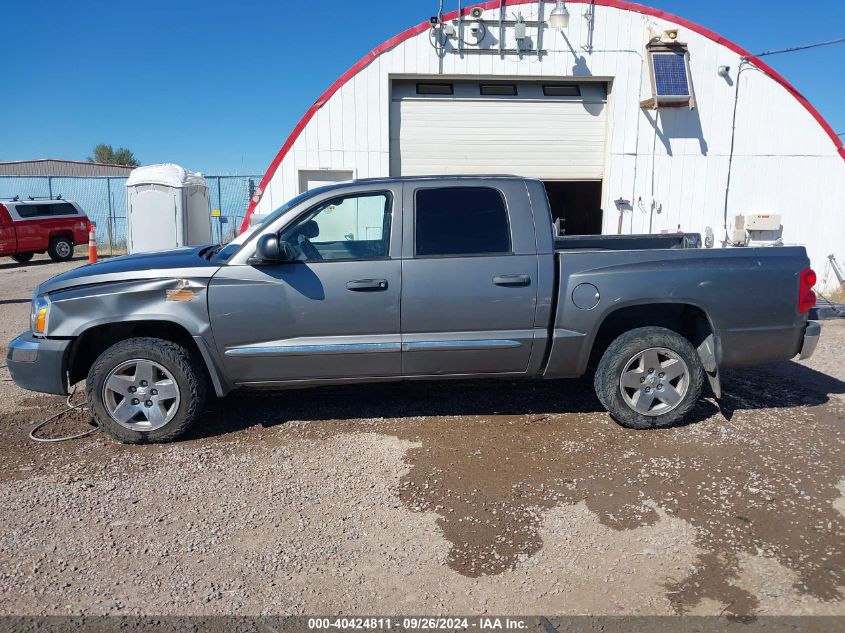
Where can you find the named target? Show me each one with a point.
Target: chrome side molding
(303, 350)
(426, 346)
(369, 348)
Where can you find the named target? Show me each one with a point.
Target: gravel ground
(433, 498)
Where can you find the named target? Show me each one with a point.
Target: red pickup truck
(36, 226)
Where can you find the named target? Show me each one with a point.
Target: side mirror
(270, 249)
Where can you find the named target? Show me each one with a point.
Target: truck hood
(180, 263)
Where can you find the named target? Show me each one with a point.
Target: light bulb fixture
(559, 17)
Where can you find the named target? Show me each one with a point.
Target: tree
(105, 154)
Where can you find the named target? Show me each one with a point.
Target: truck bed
(749, 296)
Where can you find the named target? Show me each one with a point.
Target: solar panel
(670, 74)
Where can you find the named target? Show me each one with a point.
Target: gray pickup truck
(405, 279)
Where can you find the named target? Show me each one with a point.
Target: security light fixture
(478, 30)
(559, 17)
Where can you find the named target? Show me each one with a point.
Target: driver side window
(347, 227)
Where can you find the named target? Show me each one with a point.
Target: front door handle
(367, 285)
(511, 280)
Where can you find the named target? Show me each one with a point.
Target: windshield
(222, 253)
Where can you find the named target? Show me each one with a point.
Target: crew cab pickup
(408, 279)
(53, 226)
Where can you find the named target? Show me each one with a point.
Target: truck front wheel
(649, 378)
(22, 258)
(60, 249)
(145, 390)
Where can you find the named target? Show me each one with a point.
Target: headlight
(40, 314)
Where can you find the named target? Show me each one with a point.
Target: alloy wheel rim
(654, 381)
(62, 249)
(141, 395)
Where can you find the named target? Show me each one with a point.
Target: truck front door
(332, 313)
(469, 278)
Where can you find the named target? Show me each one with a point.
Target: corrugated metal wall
(61, 168)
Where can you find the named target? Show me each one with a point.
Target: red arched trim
(493, 4)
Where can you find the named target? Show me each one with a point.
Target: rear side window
(27, 210)
(45, 209)
(62, 208)
(461, 221)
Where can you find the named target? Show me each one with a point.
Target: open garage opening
(576, 206)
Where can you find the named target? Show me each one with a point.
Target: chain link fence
(103, 199)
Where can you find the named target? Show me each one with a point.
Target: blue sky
(181, 81)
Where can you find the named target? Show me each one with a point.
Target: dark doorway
(576, 206)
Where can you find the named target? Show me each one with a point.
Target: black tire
(622, 352)
(22, 258)
(61, 249)
(185, 369)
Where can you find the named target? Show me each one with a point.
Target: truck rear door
(469, 270)
(8, 241)
(29, 230)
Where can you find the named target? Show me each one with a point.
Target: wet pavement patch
(762, 484)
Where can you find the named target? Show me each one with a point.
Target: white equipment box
(758, 229)
(166, 207)
(760, 222)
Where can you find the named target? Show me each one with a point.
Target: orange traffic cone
(92, 243)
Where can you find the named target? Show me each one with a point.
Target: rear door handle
(367, 285)
(511, 280)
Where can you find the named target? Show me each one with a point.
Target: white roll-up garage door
(547, 130)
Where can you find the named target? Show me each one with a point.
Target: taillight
(806, 296)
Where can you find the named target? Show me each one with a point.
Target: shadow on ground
(40, 262)
(781, 386)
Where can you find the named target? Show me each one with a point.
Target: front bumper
(39, 364)
(811, 339)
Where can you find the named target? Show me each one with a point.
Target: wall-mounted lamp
(478, 30)
(724, 71)
(559, 17)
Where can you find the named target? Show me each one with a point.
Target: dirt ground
(449, 498)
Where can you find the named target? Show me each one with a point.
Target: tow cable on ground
(65, 438)
(70, 407)
(43, 423)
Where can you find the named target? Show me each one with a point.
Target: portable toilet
(166, 207)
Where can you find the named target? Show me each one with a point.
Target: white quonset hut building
(638, 121)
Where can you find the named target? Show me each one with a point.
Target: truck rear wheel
(145, 390)
(22, 258)
(60, 249)
(649, 378)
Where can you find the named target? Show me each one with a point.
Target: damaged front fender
(182, 301)
(179, 301)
